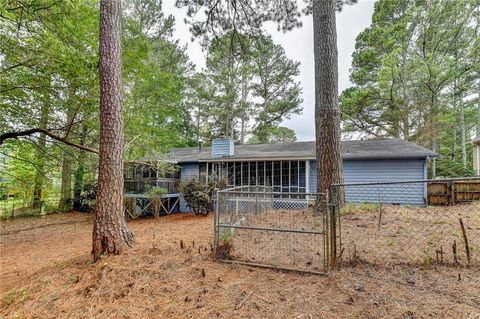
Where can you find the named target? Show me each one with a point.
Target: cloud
(298, 45)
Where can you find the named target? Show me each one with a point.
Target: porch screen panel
(285, 176)
(261, 173)
(268, 173)
(238, 173)
(294, 176)
(253, 173)
(302, 176)
(245, 173)
(231, 174)
(277, 176)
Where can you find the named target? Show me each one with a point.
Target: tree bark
(42, 142)
(110, 232)
(79, 173)
(463, 132)
(327, 112)
(478, 110)
(65, 203)
(66, 186)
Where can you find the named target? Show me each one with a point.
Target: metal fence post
(215, 226)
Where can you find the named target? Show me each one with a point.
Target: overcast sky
(298, 45)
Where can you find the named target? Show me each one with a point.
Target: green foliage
(155, 195)
(199, 194)
(49, 79)
(156, 70)
(351, 208)
(274, 134)
(247, 89)
(415, 70)
(227, 235)
(15, 296)
(156, 192)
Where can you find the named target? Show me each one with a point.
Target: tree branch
(9, 135)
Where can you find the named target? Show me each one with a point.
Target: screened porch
(283, 176)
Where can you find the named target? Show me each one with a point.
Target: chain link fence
(258, 227)
(402, 222)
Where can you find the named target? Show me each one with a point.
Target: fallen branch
(465, 240)
(240, 305)
(10, 135)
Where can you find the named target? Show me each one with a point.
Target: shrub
(87, 199)
(155, 195)
(199, 194)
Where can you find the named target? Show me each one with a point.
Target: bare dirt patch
(159, 279)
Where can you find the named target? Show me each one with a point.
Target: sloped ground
(46, 273)
(412, 235)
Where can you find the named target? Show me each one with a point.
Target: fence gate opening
(257, 227)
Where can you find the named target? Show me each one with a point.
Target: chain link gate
(289, 231)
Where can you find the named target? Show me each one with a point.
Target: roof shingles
(361, 149)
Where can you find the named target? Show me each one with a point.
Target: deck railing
(140, 186)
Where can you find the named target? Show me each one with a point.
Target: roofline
(239, 159)
(309, 158)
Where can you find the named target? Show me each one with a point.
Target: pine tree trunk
(42, 142)
(463, 141)
(327, 112)
(242, 133)
(110, 232)
(66, 187)
(454, 143)
(406, 100)
(434, 134)
(79, 173)
(65, 203)
(478, 109)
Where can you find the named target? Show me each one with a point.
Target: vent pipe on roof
(222, 147)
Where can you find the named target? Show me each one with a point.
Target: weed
(390, 242)
(348, 209)
(227, 235)
(15, 295)
(427, 259)
(369, 207)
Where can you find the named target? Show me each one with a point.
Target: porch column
(206, 176)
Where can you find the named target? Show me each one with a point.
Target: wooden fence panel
(453, 192)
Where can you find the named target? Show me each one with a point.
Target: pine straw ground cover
(381, 235)
(158, 279)
(386, 235)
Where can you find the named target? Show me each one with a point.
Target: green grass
(351, 208)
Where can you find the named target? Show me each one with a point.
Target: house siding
(364, 171)
(312, 180)
(187, 171)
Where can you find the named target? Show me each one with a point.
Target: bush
(155, 195)
(199, 194)
(87, 199)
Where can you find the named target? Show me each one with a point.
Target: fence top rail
(240, 188)
(442, 180)
(230, 191)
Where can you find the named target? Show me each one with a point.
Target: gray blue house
(291, 167)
